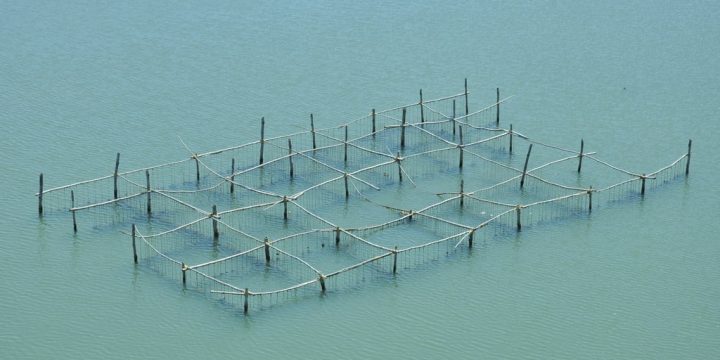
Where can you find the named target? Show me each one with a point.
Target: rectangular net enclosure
(326, 209)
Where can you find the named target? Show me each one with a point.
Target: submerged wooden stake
(40, 195)
(147, 181)
(337, 236)
(373, 123)
(453, 119)
(312, 130)
(133, 245)
(197, 169)
(590, 191)
(262, 138)
(400, 175)
(267, 251)
(402, 130)
(527, 158)
(580, 156)
(322, 283)
(395, 253)
(462, 193)
(183, 267)
(422, 108)
(346, 143)
(517, 216)
(466, 97)
(460, 146)
(232, 176)
(292, 168)
(115, 176)
(216, 233)
(347, 190)
(246, 294)
(470, 238)
(285, 202)
(72, 206)
(642, 186)
(511, 136)
(497, 108)
(687, 164)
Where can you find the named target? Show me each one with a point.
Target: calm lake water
(82, 80)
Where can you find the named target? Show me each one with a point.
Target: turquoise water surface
(83, 80)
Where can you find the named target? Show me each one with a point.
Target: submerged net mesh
(328, 209)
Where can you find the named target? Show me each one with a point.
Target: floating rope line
(281, 230)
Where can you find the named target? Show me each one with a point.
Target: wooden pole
(590, 191)
(373, 123)
(115, 176)
(422, 108)
(312, 130)
(246, 294)
(511, 136)
(216, 233)
(267, 251)
(642, 186)
(462, 193)
(466, 98)
(232, 176)
(40, 195)
(346, 143)
(347, 190)
(321, 278)
(580, 156)
(527, 158)
(470, 238)
(147, 181)
(395, 252)
(262, 138)
(72, 206)
(453, 119)
(285, 202)
(183, 267)
(197, 169)
(460, 146)
(402, 130)
(517, 216)
(292, 168)
(400, 175)
(497, 108)
(337, 236)
(135, 259)
(687, 164)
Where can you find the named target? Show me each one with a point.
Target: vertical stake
(462, 193)
(402, 130)
(466, 98)
(245, 305)
(292, 168)
(72, 206)
(497, 108)
(183, 267)
(511, 136)
(527, 158)
(580, 156)
(232, 176)
(642, 186)
(347, 191)
(400, 175)
(216, 233)
(115, 176)
(147, 181)
(687, 164)
(267, 251)
(321, 278)
(460, 146)
(346, 143)
(470, 238)
(453, 119)
(197, 169)
(337, 236)
(422, 108)
(285, 201)
(395, 252)
(373, 122)
(262, 138)
(590, 191)
(40, 195)
(312, 130)
(517, 215)
(133, 244)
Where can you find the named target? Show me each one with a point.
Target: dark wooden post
(642, 186)
(292, 168)
(135, 259)
(197, 168)
(687, 164)
(517, 216)
(346, 143)
(462, 193)
(347, 190)
(460, 146)
(267, 251)
(184, 268)
(262, 138)
(395, 253)
(337, 236)
(312, 130)
(422, 108)
(373, 122)
(232, 176)
(466, 98)
(147, 181)
(115, 176)
(470, 238)
(590, 191)
(40, 195)
(321, 278)
(216, 233)
(72, 209)
(285, 202)
(400, 175)
(246, 294)
(511, 136)
(580, 156)
(527, 158)
(453, 119)
(402, 130)
(497, 108)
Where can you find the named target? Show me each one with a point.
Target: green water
(83, 80)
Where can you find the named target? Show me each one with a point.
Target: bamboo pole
(462, 192)
(292, 168)
(262, 139)
(216, 233)
(147, 181)
(321, 279)
(511, 137)
(373, 123)
(183, 268)
(497, 108)
(197, 168)
(115, 176)
(400, 175)
(422, 108)
(454, 122)
(642, 186)
(527, 158)
(346, 144)
(687, 164)
(470, 238)
(40, 195)
(517, 216)
(460, 146)
(312, 131)
(267, 251)
(402, 130)
(135, 257)
(72, 206)
(285, 202)
(246, 295)
(232, 176)
(337, 236)
(590, 191)
(347, 190)
(466, 98)
(580, 156)
(395, 254)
